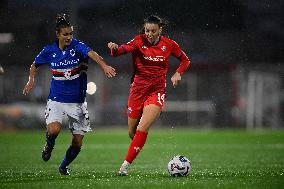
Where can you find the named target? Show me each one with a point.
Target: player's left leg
(71, 153)
(79, 124)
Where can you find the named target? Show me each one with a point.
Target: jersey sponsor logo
(144, 47)
(155, 59)
(65, 62)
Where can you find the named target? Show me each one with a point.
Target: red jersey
(151, 61)
(150, 69)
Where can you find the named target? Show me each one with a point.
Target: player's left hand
(109, 71)
(176, 78)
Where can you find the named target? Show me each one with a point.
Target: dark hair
(154, 19)
(62, 21)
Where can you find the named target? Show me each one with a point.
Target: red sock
(136, 145)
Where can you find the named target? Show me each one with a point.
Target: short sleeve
(41, 58)
(83, 49)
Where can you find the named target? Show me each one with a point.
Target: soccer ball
(179, 166)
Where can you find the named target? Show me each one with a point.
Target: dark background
(227, 30)
(226, 40)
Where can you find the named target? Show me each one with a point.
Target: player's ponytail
(62, 21)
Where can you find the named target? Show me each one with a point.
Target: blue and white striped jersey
(69, 71)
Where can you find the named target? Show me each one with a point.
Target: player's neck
(155, 41)
(62, 47)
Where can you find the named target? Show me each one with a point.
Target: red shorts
(137, 102)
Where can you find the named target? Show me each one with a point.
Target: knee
(53, 129)
(77, 142)
(143, 128)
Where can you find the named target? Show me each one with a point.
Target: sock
(70, 155)
(126, 163)
(50, 139)
(136, 145)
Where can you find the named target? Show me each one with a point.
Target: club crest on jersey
(163, 48)
(72, 52)
(67, 74)
(54, 55)
(144, 47)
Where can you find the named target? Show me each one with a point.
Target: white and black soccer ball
(179, 166)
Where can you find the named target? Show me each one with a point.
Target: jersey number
(161, 98)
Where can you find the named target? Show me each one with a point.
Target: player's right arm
(40, 59)
(116, 50)
(30, 84)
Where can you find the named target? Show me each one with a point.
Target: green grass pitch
(220, 159)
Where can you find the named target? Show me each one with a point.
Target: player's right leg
(150, 114)
(151, 111)
(53, 130)
(132, 126)
(53, 115)
(134, 112)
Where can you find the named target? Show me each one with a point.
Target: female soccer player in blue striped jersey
(68, 60)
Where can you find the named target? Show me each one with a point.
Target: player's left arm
(108, 70)
(184, 63)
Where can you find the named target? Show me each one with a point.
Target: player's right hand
(28, 87)
(112, 46)
(109, 71)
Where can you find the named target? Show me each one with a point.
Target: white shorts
(77, 113)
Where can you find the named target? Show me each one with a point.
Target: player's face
(65, 36)
(152, 31)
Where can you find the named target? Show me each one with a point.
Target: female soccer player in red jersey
(150, 54)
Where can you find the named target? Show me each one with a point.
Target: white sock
(126, 163)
